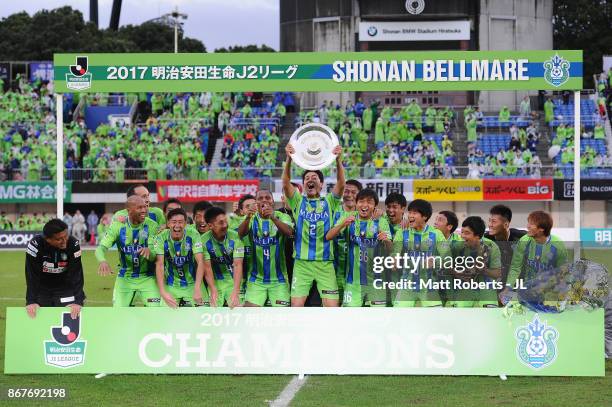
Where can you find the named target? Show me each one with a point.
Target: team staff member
(54, 273)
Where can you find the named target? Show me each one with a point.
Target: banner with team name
(32, 192)
(379, 341)
(193, 191)
(319, 71)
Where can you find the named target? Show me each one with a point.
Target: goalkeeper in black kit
(54, 273)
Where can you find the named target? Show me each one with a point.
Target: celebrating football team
(169, 258)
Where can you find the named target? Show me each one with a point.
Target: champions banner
(194, 191)
(319, 71)
(434, 341)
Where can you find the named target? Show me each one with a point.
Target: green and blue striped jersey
(234, 223)
(487, 249)
(429, 241)
(418, 244)
(362, 246)
(222, 253)
(340, 247)
(392, 227)
(179, 257)
(314, 218)
(268, 258)
(531, 257)
(129, 240)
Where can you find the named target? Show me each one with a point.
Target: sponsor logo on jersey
(49, 267)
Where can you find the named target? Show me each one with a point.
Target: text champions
(439, 70)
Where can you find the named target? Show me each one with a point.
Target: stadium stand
(403, 143)
(174, 137)
(564, 113)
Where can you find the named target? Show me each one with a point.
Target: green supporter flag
(530, 258)
(155, 214)
(268, 243)
(221, 254)
(314, 219)
(179, 257)
(363, 245)
(130, 239)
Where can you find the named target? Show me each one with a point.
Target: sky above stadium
(217, 23)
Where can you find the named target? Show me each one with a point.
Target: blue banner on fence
(42, 70)
(596, 237)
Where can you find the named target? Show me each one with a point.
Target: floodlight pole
(577, 188)
(176, 37)
(59, 149)
(175, 15)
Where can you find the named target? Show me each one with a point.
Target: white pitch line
(289, 392)
(21, 299)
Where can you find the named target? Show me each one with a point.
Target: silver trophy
(313, 144)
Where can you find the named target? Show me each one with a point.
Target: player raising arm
(313, 254)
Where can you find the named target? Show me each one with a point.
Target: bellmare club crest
(65, 350)
(79, 78)
(537, 343)
(556, 70)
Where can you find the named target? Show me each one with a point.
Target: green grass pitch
(253, 390)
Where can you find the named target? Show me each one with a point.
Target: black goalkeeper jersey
(54, 277)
